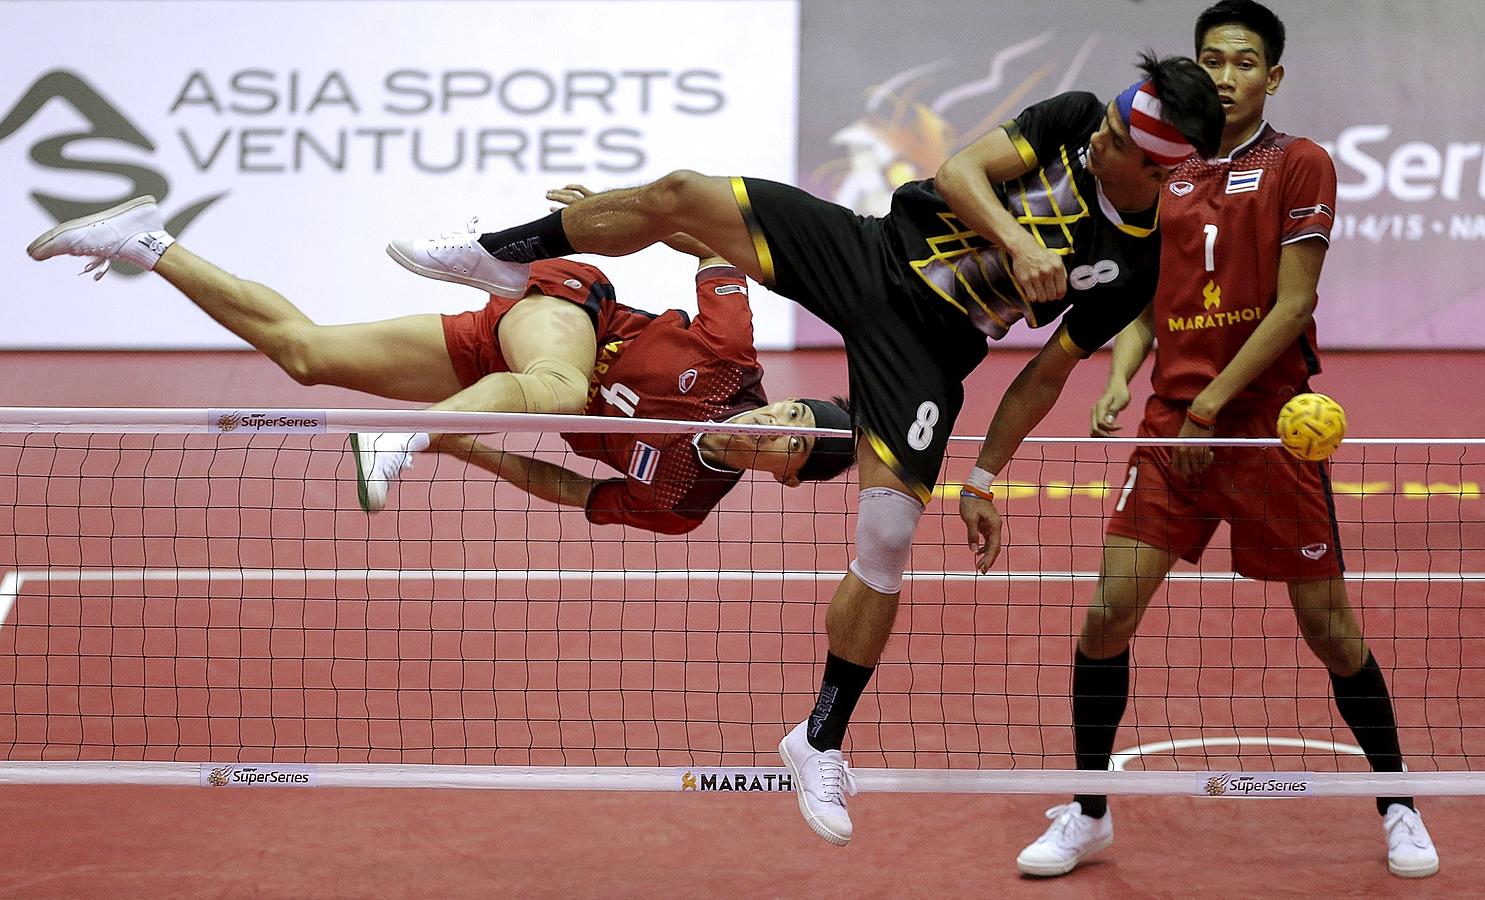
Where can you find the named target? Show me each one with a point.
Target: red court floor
(131, 841)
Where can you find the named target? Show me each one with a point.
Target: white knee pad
(885, 524)
(553, 386)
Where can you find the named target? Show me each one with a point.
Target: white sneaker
(822, 779)
(380, 458)
(107, 235)
(1063, 845)
(1410, 850)
(458, 257)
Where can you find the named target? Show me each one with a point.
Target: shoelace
(455, 238)
(834, 775)
(1064, 821)
(389, 463)
(101, 263)
(1406, 823)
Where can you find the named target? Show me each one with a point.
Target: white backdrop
(313, 132)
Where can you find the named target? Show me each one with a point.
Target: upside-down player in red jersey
(1234, 338)
(565, 346)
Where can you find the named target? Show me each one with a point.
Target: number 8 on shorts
(920, 433)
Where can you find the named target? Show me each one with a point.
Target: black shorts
(908, 354)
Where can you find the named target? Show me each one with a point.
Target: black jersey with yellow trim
(1112, 262)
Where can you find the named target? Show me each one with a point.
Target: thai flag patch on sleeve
(643, 462)
(1243, 182)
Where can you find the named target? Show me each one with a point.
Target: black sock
(542, 239)
(839, 690)
(1363, 702)
(1100, 691)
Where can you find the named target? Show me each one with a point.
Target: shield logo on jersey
(1314, 551)
(643, 462)
(1181, 188)
(688, 380)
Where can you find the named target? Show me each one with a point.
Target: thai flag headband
(1139, 107)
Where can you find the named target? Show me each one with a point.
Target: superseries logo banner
(271, 421)
(1254, 784)
(262, 775)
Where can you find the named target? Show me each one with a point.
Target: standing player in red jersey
(564, 346)
(1234, 337)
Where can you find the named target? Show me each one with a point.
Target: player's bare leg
(403, 359)
(616, 223)
(1128, 577)
(550, 346)
(1328, 624)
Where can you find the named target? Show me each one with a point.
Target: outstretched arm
(680, 242)
(536, 477)
(965, 182)
(1025, 403)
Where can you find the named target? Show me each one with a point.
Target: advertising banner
(288, 142)
(888, 91)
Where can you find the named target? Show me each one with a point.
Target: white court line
(1121, 759)
(10, 588)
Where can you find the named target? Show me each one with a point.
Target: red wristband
(1208, 424)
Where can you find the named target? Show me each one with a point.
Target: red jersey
(671, 367)
(1224, 224)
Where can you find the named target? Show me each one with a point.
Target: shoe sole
(1413, 873)
(1053, 871)
(804, 809)
(361, 495)
(508, 293)
(34, 249)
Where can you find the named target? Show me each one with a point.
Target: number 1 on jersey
(1211, 232)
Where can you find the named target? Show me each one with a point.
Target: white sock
(144, 249)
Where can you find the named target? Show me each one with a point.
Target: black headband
(830, 455)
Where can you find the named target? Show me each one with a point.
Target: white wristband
(979, 478)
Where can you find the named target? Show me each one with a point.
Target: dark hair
(1255, 17)
(1188, 100)
(830, 456)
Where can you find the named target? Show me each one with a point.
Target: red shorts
(1280, 508)
(474, 347)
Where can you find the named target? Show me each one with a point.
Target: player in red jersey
(1245, 238)
(565, 346)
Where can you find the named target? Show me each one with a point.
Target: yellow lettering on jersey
(1215, 320)
(601, 366)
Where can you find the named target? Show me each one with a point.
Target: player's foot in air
(133, 232)
(380, 458)
(822, 780)
(1410, 850)
(1071, 837)
(458, 257)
